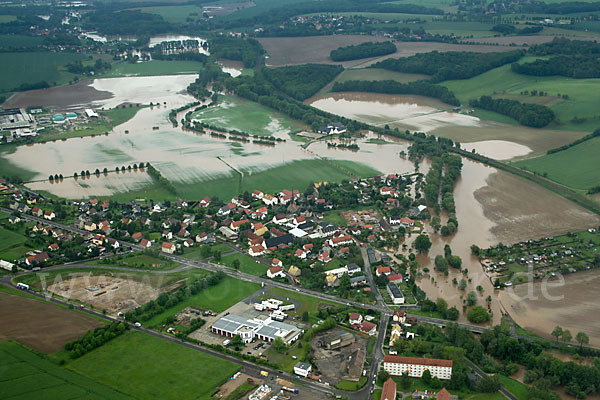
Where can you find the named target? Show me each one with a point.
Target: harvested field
(76, 96)
(106, 292)
(40, 325)
(522, 211)
(316, 49)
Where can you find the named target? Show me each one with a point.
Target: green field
(7, 18)
(247, 264)
(515, 387)
(148, 367)
(296, 174)
(153, 68)
(584, 94)
(11, 242)
(19, 68)
(28, 376)
(8, 41)
(138, 260)
(247, 116)
(577, 167)
(217, 298)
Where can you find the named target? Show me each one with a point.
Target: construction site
(340, 355)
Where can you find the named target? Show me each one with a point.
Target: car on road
(138, 324)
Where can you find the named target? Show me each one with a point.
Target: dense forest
(565, 46)
(449, 65)
(126, 22)
(534, 115)
(302, 81)
(248, 51)
(422, 88)
(363, 50)
(573, 66)
(508, 29)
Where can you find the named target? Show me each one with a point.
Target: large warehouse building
(261, 327)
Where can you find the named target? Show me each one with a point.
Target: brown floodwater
(570, 302)
(498, 149)
(491, 205)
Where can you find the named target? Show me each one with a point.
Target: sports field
(583, 94)
(247, 116)
(41, 66)
(27, 376)
(577, 167)
(147, 367)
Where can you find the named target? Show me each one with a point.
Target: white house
(396, 366)
(395, 293)
(168, 248)
(355, 319)
(256, 251)
(302, 369)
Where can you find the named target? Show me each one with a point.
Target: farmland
(27, 375)
(41, 325)
(41, 66)
(297, 174)
(581, 102)
(371, 74)
(576, 167)
(217, 298)
(153, 68)
(165, 370)
(247, 116)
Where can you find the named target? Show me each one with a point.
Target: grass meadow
(25, 375)
(577, 167)
(584, 94)
(247, 264)
(147, 367)
(217, 298)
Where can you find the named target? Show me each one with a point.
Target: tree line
(449, 65)
(534, 115)
(592, 135)
(95, 338)
(158, 178)
(302, 81)
(363, 50)
(421, 87)
(572, 66)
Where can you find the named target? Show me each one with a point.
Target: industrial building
(338, 339)
(15, 118)
(261, 327)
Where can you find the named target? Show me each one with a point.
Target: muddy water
(498, 149)
(474, 228)
(231, 67)
(413, 112)
(571, 302)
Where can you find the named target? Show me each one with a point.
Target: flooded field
(570, 302)
(432, 116)
(498, 149)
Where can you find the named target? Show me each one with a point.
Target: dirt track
(40, 325)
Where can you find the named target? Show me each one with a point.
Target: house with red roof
(389, 390)
(276, 263)
(324, 257)
(395, 277)
(145, 243)
(235, 225)
(301, 254)
(383, 270)
(368, 327)
(53, 247)
(275, 272)
(205, 202)
(256, 251)
(340, 240)
(137, 236)
(355, 318)
(168, 248)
